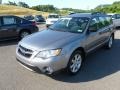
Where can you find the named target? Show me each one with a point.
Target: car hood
(48, 39)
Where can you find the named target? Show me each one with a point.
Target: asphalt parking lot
(100, 71)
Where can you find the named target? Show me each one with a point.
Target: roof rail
(98, 13)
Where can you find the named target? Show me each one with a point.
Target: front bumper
(28, 66)
(48, 66)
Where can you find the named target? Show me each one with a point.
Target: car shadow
(8, 42)
(97, 65)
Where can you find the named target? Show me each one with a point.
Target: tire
(24, 34)
(47, 26)
(75, 63)
(110, 42)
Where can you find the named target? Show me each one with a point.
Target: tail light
(34, 23)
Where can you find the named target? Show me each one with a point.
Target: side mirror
(92, 29)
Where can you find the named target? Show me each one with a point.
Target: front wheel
(75, 63)
(24, 34)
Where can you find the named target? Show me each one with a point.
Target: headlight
(48, 53)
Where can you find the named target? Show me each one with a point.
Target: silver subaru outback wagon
(65, 44)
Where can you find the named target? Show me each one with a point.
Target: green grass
(19, 11)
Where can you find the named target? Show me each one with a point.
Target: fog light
(48, 70)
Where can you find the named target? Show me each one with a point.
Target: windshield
(39, 16)
(75, 25)
(53, 16)
(29, 17)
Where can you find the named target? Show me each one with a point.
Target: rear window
(29, 17)
(53, 16)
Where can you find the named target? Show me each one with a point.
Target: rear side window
(9, 20)
(102, 22)
(108, 21)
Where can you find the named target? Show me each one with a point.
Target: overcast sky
(78, 4)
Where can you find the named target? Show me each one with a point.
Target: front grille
(25, 52)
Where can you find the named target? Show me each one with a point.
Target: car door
(9, 26)
(93, 36)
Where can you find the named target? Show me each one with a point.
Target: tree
(112, 8)
(45, 8)
(117, 2)
(23, 4)
(75, 10)
(11, 3)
